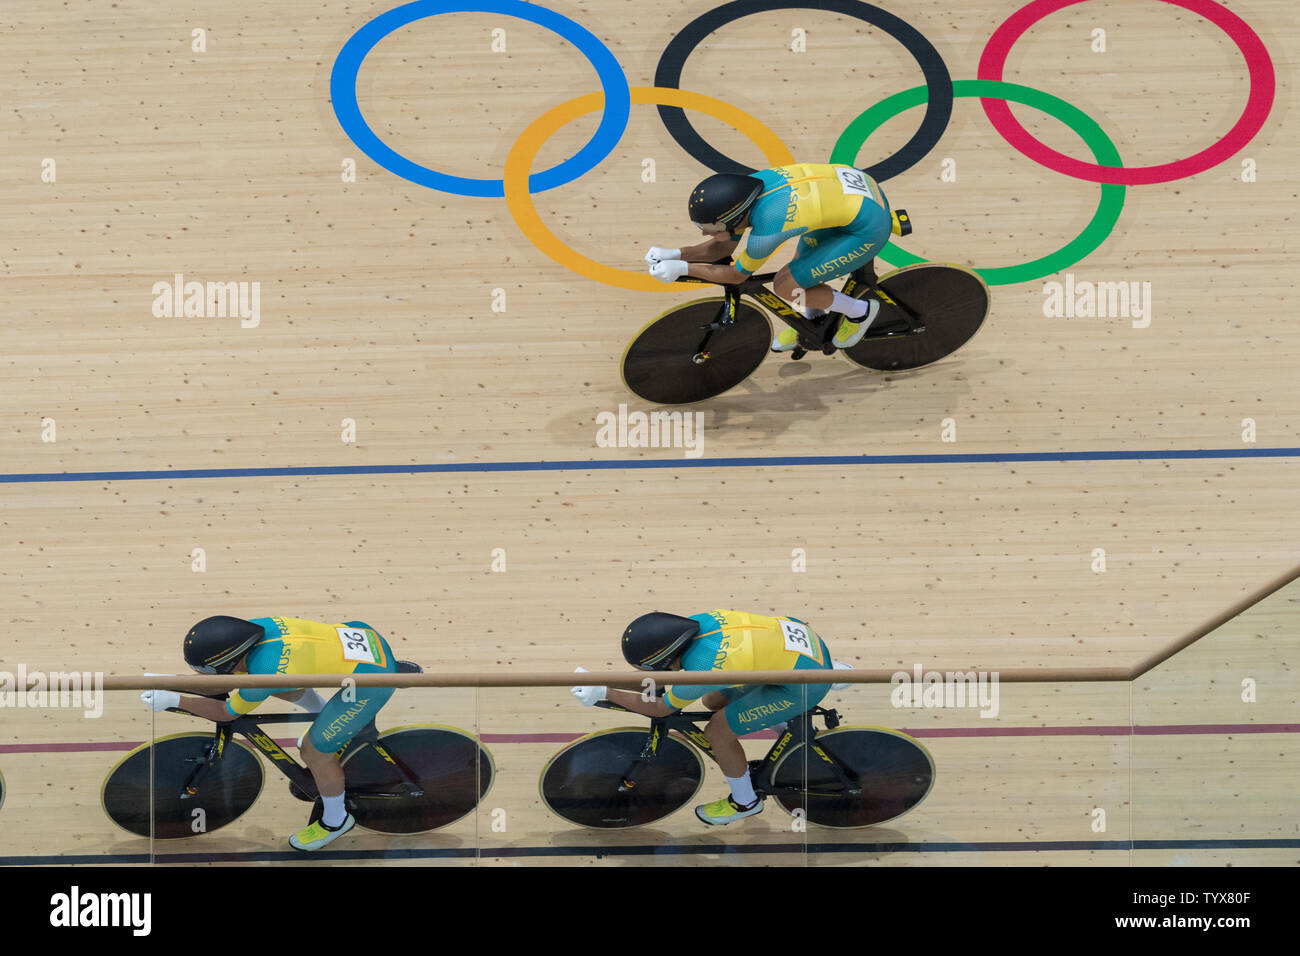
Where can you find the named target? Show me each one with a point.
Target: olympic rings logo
(617, 97)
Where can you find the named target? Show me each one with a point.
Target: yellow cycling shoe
(786, 340)
(317, 836)
(724, 811)
(850, 333)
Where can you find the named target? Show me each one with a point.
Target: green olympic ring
(1103, 149)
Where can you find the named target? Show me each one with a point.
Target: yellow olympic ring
(519, 164)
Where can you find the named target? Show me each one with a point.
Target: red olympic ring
(1262, 86)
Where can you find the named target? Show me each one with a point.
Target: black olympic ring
(938, 110)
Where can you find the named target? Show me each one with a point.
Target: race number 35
(797, 638)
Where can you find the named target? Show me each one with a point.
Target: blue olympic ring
(343, 93)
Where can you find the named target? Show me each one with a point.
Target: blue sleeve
(700, 656)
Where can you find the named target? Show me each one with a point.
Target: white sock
(311, 701)
(850, 308)
(809, 313)
(335, 812)
(742, 789)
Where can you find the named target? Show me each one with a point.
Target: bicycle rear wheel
(659, 364)
(951, 301)
(451, 768)
(581, 782)
(229, 787)
(895, 771)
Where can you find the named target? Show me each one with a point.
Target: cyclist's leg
(753, 709)
(718, 699)
(341, 719)
(812, 301)
(334, 727)
(774, 705)
(785, 286)
(854, 246)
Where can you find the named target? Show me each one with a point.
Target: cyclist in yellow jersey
(288, 645)
(724, 641)
(839, 215)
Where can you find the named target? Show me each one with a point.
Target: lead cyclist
(839, 214)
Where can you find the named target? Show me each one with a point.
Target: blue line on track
(284, 856)
(793, 461)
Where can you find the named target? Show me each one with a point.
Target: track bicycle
(405, 780)
(840, 777)
(701, 349)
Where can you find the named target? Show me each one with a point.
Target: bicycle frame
(799, 730)
(814, 334)
(299, 776)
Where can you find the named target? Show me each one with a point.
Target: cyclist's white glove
(669, 270)
(160, 700)
(588, 696)
(661, 255)
(841, 666)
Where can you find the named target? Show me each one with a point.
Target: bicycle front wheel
(450, 768)
(581, 783)
(894, 771)
(661, 364)
(224, 792)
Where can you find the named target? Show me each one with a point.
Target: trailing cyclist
(288, 645)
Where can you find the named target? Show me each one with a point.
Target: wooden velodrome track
(451, 340)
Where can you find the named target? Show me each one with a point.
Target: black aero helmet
(215, 644)
(722, 200)
(652, 641)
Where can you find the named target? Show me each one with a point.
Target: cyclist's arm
(633, 702)
(207, 707)
(236, 704)
(711, 250)
(703, 257)
(723, 275)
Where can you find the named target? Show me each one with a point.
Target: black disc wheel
(951, 302)
(664, 365)
(223, 792)
(450, 769)
(582, 782)
(895, 773)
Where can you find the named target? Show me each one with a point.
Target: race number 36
(356, 645)
(797, 638)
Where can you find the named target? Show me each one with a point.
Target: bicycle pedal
(797, 354)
